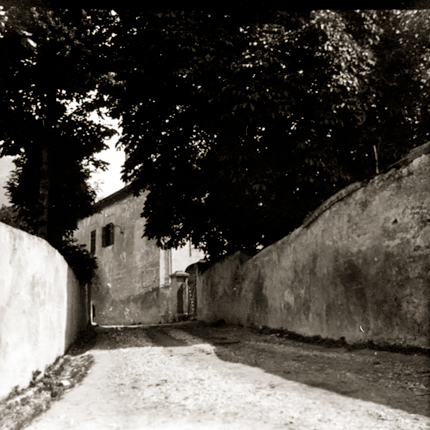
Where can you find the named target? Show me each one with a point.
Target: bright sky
(6, 166)
(107, 182)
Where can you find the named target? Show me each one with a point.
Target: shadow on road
(396, 380)
(107, 338)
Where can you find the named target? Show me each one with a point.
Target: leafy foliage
(82, 262)
(9, 216)
(51, 63)
(48, 63)
(239, 125)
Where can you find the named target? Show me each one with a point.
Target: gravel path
(165, 378)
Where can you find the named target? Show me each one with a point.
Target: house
(133, 283)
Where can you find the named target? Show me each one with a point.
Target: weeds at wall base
(21, 406)
(341, 342)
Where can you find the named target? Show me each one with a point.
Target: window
(108, 235)
(93, 242)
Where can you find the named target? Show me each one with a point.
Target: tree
(239, 125)
(9, 216)
(395, 112)
(51, 63)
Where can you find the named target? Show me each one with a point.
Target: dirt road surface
(194, 376)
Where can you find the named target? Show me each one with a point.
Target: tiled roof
(113, 198)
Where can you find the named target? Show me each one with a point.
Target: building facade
(133, 283)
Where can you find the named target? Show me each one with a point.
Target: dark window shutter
(108, 235)
(93, 242)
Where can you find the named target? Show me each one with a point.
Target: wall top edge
(351, 188)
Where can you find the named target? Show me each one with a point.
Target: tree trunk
(43, 224)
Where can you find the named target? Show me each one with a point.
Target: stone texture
(126, 289)
(132, 283)
(360, 269)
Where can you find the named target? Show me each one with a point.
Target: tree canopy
(239, 125)
(51, 63)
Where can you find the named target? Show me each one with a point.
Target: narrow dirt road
(192, 376)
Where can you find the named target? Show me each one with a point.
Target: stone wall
(359, 268)
(132, 283)
(126, 289)
(42, 307)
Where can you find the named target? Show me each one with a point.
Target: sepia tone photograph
(214, 220)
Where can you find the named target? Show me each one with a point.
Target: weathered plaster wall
(126, 289)
(42, 307)
(360, 269)
(132, 284)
